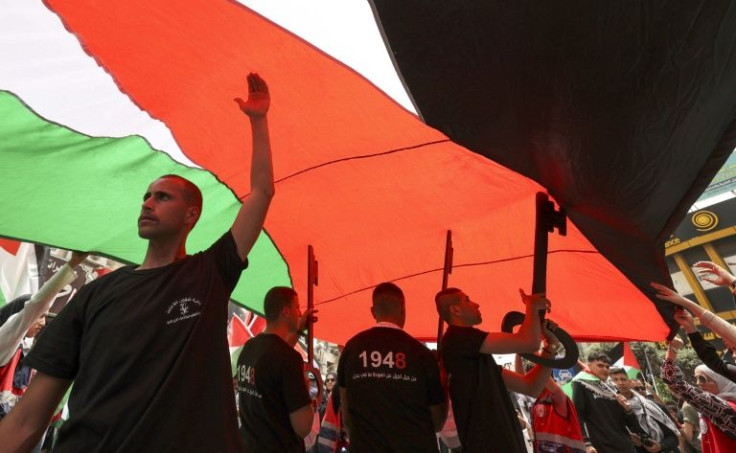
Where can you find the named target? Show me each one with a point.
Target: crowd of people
(146, 350)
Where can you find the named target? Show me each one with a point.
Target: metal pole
(311, 283)
(651, 375)
(445, 279)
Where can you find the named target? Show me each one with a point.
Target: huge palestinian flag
(100, 98)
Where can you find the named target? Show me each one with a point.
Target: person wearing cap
(26, 316)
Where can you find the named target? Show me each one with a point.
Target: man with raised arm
(146, 346)
(485, 417)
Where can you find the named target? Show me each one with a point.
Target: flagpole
(651, 375)
(311, 283)
(445, 279)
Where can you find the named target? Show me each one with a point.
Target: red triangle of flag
(10, 245)
(630, 358)
(256, 325)
(238, 333)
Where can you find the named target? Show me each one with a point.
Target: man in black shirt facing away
(146, 346)
(275, 409)
(485, 418)
(390, 386)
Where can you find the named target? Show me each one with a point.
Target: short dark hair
(440, 301)
(388, 299)
(618, 370)
(599, 357)
(192, 194)
(276, 299)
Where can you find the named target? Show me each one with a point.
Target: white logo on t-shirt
(182, 309)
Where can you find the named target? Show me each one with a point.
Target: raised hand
(535, 301)
(670, 295)
(623, 402)
(305, 318)
(548, 332)
(685, 320)
(77, 258)
(259, 99)
(711, 272)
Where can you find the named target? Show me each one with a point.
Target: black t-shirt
(602, 419)
(391, 381)
(148, 353)
(485, 418)
(271, 385)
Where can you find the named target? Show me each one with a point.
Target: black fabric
(13, 307)
(148, 353)
(391, 380)
(624, 111)
(603, 421)
(707, 353)
(271, 385)
(486, 420)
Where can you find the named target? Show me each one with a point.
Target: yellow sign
(704, 220)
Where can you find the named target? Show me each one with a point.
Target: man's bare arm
(530, 384)
(528, 337)
(439, 416)
(252, 214)
(533, 382)
(301, 420)
(344, 413)
(21, 430)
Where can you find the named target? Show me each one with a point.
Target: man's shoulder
(462, 335)
(453, 330)
(383, 334)
(108, 279)
(357, 340)
(269, 342)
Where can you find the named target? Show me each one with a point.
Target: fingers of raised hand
(241, 103)
(76, 254)
(658, 287)
(256, 83)
(663, 292)
(541, 303)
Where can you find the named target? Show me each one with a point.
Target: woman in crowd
(714, 397)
